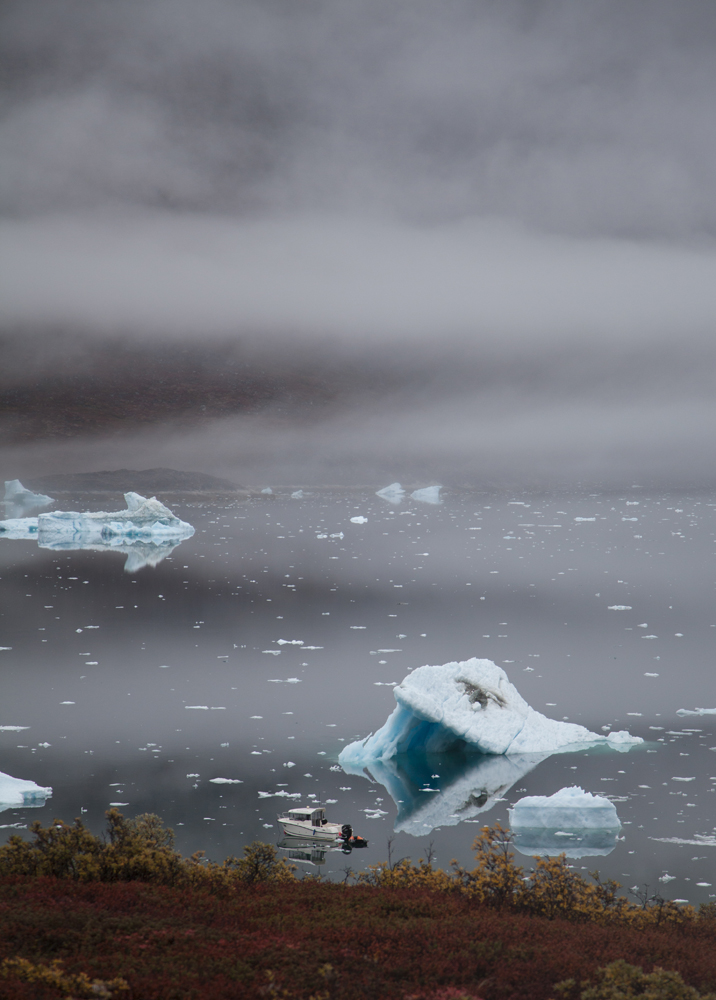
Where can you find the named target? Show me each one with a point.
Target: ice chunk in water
(16, 792)
(429, 494)
(696, 711)
(473, 704)
(571, 822)
(15, 492)
(393, 493)
(19, 528)
(143, 518)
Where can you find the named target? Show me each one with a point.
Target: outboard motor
(346, 831)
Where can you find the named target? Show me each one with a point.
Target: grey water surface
(256, 649)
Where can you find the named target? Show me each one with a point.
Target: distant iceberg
(393, 493)
(572, 822)
(143, 518)
(16, 493)
(696, 711)
(146, 531)
(471, 705)
(15, 792)
(429, 494)
(432, 790)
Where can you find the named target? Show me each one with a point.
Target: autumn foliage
(126, 916)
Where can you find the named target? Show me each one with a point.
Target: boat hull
(327, 834)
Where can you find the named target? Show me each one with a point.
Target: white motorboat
(310, 823)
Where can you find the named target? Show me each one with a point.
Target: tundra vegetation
(125, 915)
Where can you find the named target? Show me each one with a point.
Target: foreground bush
(301, 940)
(132, 849)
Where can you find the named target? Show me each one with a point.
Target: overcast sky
(526, 185)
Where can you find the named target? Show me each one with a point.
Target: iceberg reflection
(432, 790)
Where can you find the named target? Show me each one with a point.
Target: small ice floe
(15, 492)
(696, 711)
(472, 702)
(267, 490)
(428, 494)
(272, 652)
(585, 519)
(698, 840)
(13, 729)
(619, 607)
(203, 708)
(683, 779)
(359, 520)
(572, 822)
(666, 878)
(225, 781)
(21, 792)
(282, 794)
(297, 495)
(289, 642)
(393, 493)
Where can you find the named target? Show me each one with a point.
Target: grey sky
(519, 195)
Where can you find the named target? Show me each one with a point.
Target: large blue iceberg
(469, 705)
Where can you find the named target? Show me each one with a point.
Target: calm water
(140, 687)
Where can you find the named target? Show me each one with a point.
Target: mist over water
(331, 246)
(503, 210)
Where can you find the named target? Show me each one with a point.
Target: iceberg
(393, 493)
(19, 527)
(15, 792)
(432, 790)
(429, 494)
(143, 519)
(572, 822)
(696, 711)
(469, 705)
(146, 531)
(16, 493)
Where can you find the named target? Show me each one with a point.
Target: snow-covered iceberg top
(143, 518)
(19, 792)
(15, 492)
(572, 821)
(469, 703)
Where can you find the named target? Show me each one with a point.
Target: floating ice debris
(393, 493)
(572, 822)
(585, 519)
(225, 781)
(359, 520)
(666, 877)
(15, 492)
(12, 729)
(683, 779)
(297, 495)
(619, 607)
(429, 494)
(203, 708)
(267, 490)
(289, 642)
(283, 794)
(698, 840)
(469, 703)
(19, 792)
(696, 711)
(271, 652)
